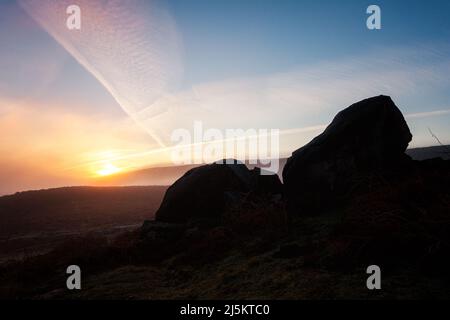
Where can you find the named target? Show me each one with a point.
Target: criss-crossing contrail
(130, 46)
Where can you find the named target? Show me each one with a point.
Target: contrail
(130, 46)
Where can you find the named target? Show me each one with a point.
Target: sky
(78, 104)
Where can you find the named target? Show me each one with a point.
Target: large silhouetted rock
(368, 137)
(203, 193)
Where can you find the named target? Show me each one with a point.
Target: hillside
(76, 208)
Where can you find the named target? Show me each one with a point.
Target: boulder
(204, 193)
(369, 136)
(266, 183)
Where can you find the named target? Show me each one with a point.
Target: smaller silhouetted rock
(204, 193)
(267, 183)
(368, 137)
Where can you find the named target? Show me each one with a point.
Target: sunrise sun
(108, 169)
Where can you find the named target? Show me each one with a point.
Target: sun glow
(108, 169)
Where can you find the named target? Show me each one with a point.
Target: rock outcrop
(369, 136)
(204, 193)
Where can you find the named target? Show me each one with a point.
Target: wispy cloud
(306, 95)
(428, 114)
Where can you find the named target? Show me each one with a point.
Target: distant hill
(156, 176)
(430, 152)
(76, 209)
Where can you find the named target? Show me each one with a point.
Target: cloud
(304, 96)
(428, 113)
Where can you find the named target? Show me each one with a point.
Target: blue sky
(290, 65)
(255, 37)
